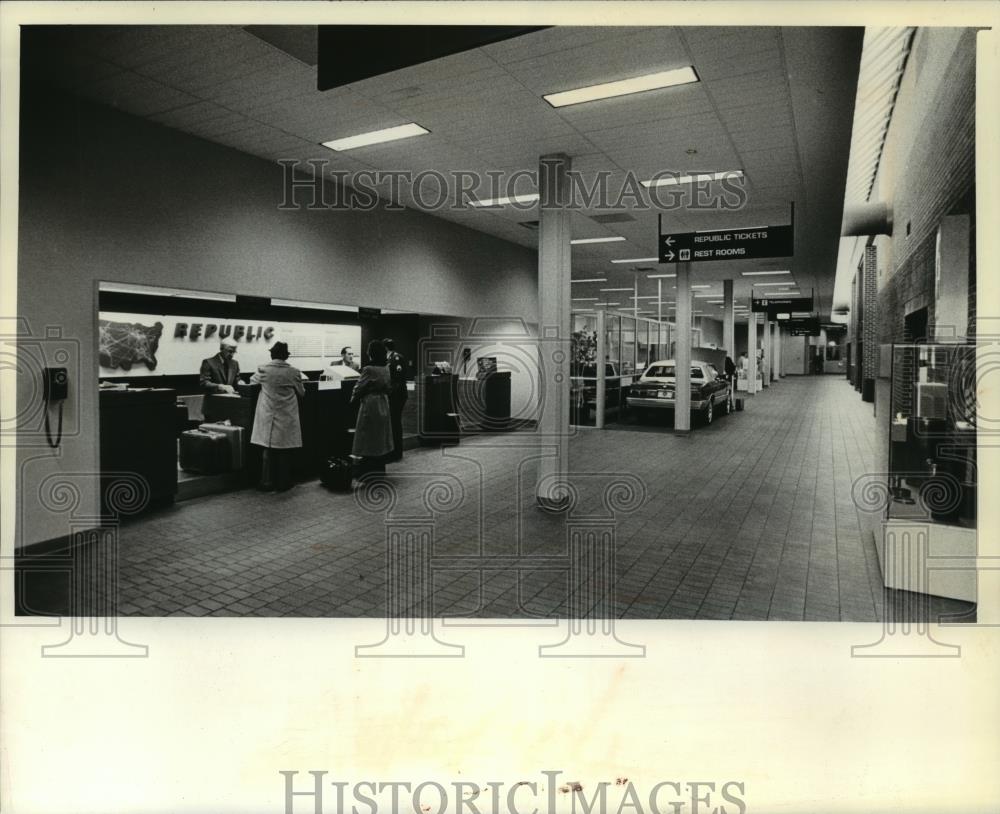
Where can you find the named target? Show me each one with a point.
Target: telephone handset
(56, 389)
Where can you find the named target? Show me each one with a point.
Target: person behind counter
(397, 396)
(276, 425)
(373, 430)
(220, 373)
(346, 359)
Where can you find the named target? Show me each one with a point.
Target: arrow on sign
(668, 240)
(670, 256)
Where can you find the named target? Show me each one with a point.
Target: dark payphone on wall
(56, 390)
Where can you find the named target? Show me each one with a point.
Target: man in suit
(397, 397)
(221, 373)
(346, 359)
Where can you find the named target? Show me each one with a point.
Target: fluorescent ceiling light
(586, 299)
(762, 273)
(623, 87)
(135, 288)
(325, 306)
(661, 276)
(716, 302)
(617, 289)
(690, 179)
(615, 239)
(609, 303)
(650, 297)
(761, 285)
(376, 137)
(590, 280)
(701, 285)
(529, 197)
(638, 260)
(705, 296)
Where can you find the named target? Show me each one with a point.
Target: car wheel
(709, 410)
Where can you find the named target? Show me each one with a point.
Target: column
(765, 343)
(776, 349)
(682, 354)
(752, 350)
(728, 321)
(869, 324)
(554, 322)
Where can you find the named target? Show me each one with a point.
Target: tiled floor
(749, 518)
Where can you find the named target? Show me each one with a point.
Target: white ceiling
(774, 102)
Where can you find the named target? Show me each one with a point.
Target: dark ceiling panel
(350, 53)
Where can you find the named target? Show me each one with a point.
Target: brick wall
(930, 172)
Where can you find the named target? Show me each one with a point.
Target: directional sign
(780, 305)
(727, 244)
(802, 326)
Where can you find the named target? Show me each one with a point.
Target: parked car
(655, 390)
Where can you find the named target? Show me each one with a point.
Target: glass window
(628, 346)
(612, 329)
(660, 371)
(696, 373)
(584, 344)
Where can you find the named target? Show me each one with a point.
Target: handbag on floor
(337, 474)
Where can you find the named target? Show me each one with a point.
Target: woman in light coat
(373, 430)
(276, 425)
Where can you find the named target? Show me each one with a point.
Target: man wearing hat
(220, 373)
(276, 425)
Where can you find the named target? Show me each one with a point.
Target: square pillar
(554, 264)
(682, 352)
(728, 320)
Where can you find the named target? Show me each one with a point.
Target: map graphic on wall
(123, 344)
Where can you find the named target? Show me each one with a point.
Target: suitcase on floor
(337, 474)
(739, 404)
(235, 437)
(206, 453)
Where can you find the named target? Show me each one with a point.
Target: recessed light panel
(581, 240)
(623, 87)
(376, 137)
(669, 180)
(529, 197)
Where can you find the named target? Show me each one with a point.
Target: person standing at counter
(220, 373)
(397, 396)
(346, 359)
(373, 430)
(276, 425)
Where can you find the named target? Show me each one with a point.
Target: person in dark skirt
(397, 396)
(373, 430)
